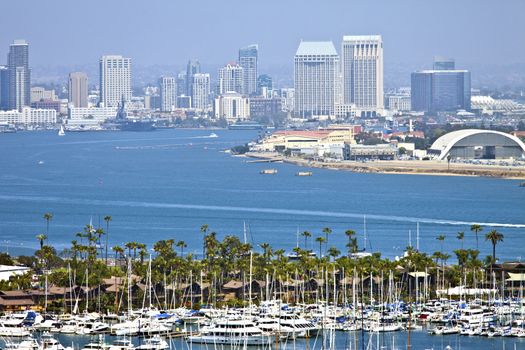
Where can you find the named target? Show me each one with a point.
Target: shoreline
(399, 167)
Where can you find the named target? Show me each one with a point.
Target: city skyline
(413, 39)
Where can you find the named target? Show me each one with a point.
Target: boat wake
(276, 211)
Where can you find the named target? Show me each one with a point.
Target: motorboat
(232, 332)
(155, 343)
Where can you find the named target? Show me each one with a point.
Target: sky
(66, 32)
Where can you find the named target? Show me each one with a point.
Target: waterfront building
(115, 80)
(248, 57)
(29, 116)
(315, 78)
(168, 93)
(380, 151)
(200, 97)
(89, 118)
(78, 89)
(39, 93)
(47, 104)
(19, 75)
(477, 144)
(435, 91)
(231, 79)
(310, 142)
(4, 88)
(262, 107)
(443, 63)
(362, 73)
(193, 67)
(232, 106)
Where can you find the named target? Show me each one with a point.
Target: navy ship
(124, 123)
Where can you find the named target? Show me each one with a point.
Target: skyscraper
(192, 68)
(316, 67)
(181, 83)
(4, 87)
(248, 57)
(435, 91)
(115, 80)
(231, 78)
(200, 97)
(19, 75)
(362, 72)
(78, 89)
(168, 93)
(443, 63)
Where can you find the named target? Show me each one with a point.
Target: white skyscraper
(201, 91)
(231, 79)
(248, 57)
(315, 78)
(115, 80)
(168, 93)
(362, 72)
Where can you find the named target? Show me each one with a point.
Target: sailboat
(61, 132)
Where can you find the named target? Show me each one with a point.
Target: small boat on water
(61, 132)
(522, 184)
(213, 135)
(268, 172)
(155, 343)
(304, 173)
(26, 344)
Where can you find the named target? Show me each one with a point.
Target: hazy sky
(72, 32)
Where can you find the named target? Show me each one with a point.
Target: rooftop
(362, 38)
(325, 48)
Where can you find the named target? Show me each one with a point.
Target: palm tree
(181, 245)
(333, 252)
(48, 217)
(306, 234)
(326, 231)
(349, 234)
(461, 236)
(107, 219)
(119, 251)
(352, 246)
(320, 240)
(476, 228)
(41, 238)
(204, 231)
(494, 237)
(99, 232)
(441, 238)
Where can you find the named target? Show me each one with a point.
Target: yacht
(300, 327)
(26, 344)
(121, 344)
(48, 342)
(232, 332)
(155, 343)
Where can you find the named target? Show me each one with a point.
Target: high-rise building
(19, 75)
(435, 91)
(316, 67)
(231, 78)
(193, 67)
(248, 57)
(168, 93)
(443, 63)
(4, 87)
(264, 85)
(78, 89)
(362, 72)
(200, 97)
(115, 80)
(232, 106)
(181, 84)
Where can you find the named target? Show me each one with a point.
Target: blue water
(420, 340)
(166, 184)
